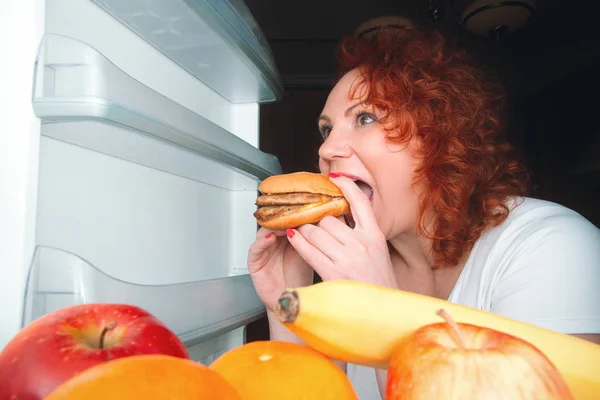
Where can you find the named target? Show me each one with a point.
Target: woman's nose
(335, 146)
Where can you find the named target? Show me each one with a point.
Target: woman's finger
(263, 232)
(312, 255)
(337, 228)
(323, 241)
(360, 204)
(259, 253)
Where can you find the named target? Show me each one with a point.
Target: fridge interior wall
(133, 187)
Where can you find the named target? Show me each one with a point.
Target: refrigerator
(129, 161)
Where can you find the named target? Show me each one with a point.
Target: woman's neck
(413, 260)
(414, 251)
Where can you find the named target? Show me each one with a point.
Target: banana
(361, 323)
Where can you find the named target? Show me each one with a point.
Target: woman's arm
(279, 332)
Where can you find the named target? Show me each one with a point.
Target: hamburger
(291, 200)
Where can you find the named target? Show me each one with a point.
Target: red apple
(451, 361)
(60, 345)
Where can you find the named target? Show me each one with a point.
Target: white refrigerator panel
(138, 224)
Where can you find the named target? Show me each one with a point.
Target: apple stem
(110, 326)
(454, 326)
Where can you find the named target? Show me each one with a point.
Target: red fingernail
(290, 233)
(334, 175)
(269, 236)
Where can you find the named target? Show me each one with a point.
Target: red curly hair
(428, 88)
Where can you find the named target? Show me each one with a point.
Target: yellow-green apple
(452, 361)
(59, 345)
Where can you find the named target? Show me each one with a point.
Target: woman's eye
(325, 131)
(364, 119)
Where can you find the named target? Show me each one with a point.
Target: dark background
(550, 67)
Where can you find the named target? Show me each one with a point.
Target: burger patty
(290, 199)
(270, 212)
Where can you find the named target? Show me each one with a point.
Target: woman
(412, 135)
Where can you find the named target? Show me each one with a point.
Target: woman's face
(355, 145)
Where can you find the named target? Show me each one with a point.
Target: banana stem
(287, 307)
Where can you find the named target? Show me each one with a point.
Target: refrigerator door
(21, 29)
(147, 171)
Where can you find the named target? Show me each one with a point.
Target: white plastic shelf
(74, 82)
(195, 311)
(218, 41)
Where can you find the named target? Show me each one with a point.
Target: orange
(147, 377)
(266, 370)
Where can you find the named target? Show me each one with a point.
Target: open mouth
(365, 188)
(368, 191)
(362, 185)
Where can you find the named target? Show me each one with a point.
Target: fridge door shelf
(195, 311)
(217, 41)
(74, 82)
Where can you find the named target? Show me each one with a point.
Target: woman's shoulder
(530, 206)
(542, 249)
(537, 232)
(530, 216)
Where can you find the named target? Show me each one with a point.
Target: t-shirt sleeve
(551, 275)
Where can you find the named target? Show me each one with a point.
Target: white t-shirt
(541, 266)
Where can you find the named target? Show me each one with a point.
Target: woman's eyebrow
(325, 118)
(348, 111)
(352, 107)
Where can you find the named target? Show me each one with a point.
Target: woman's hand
(336, 251)
(274, 265)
